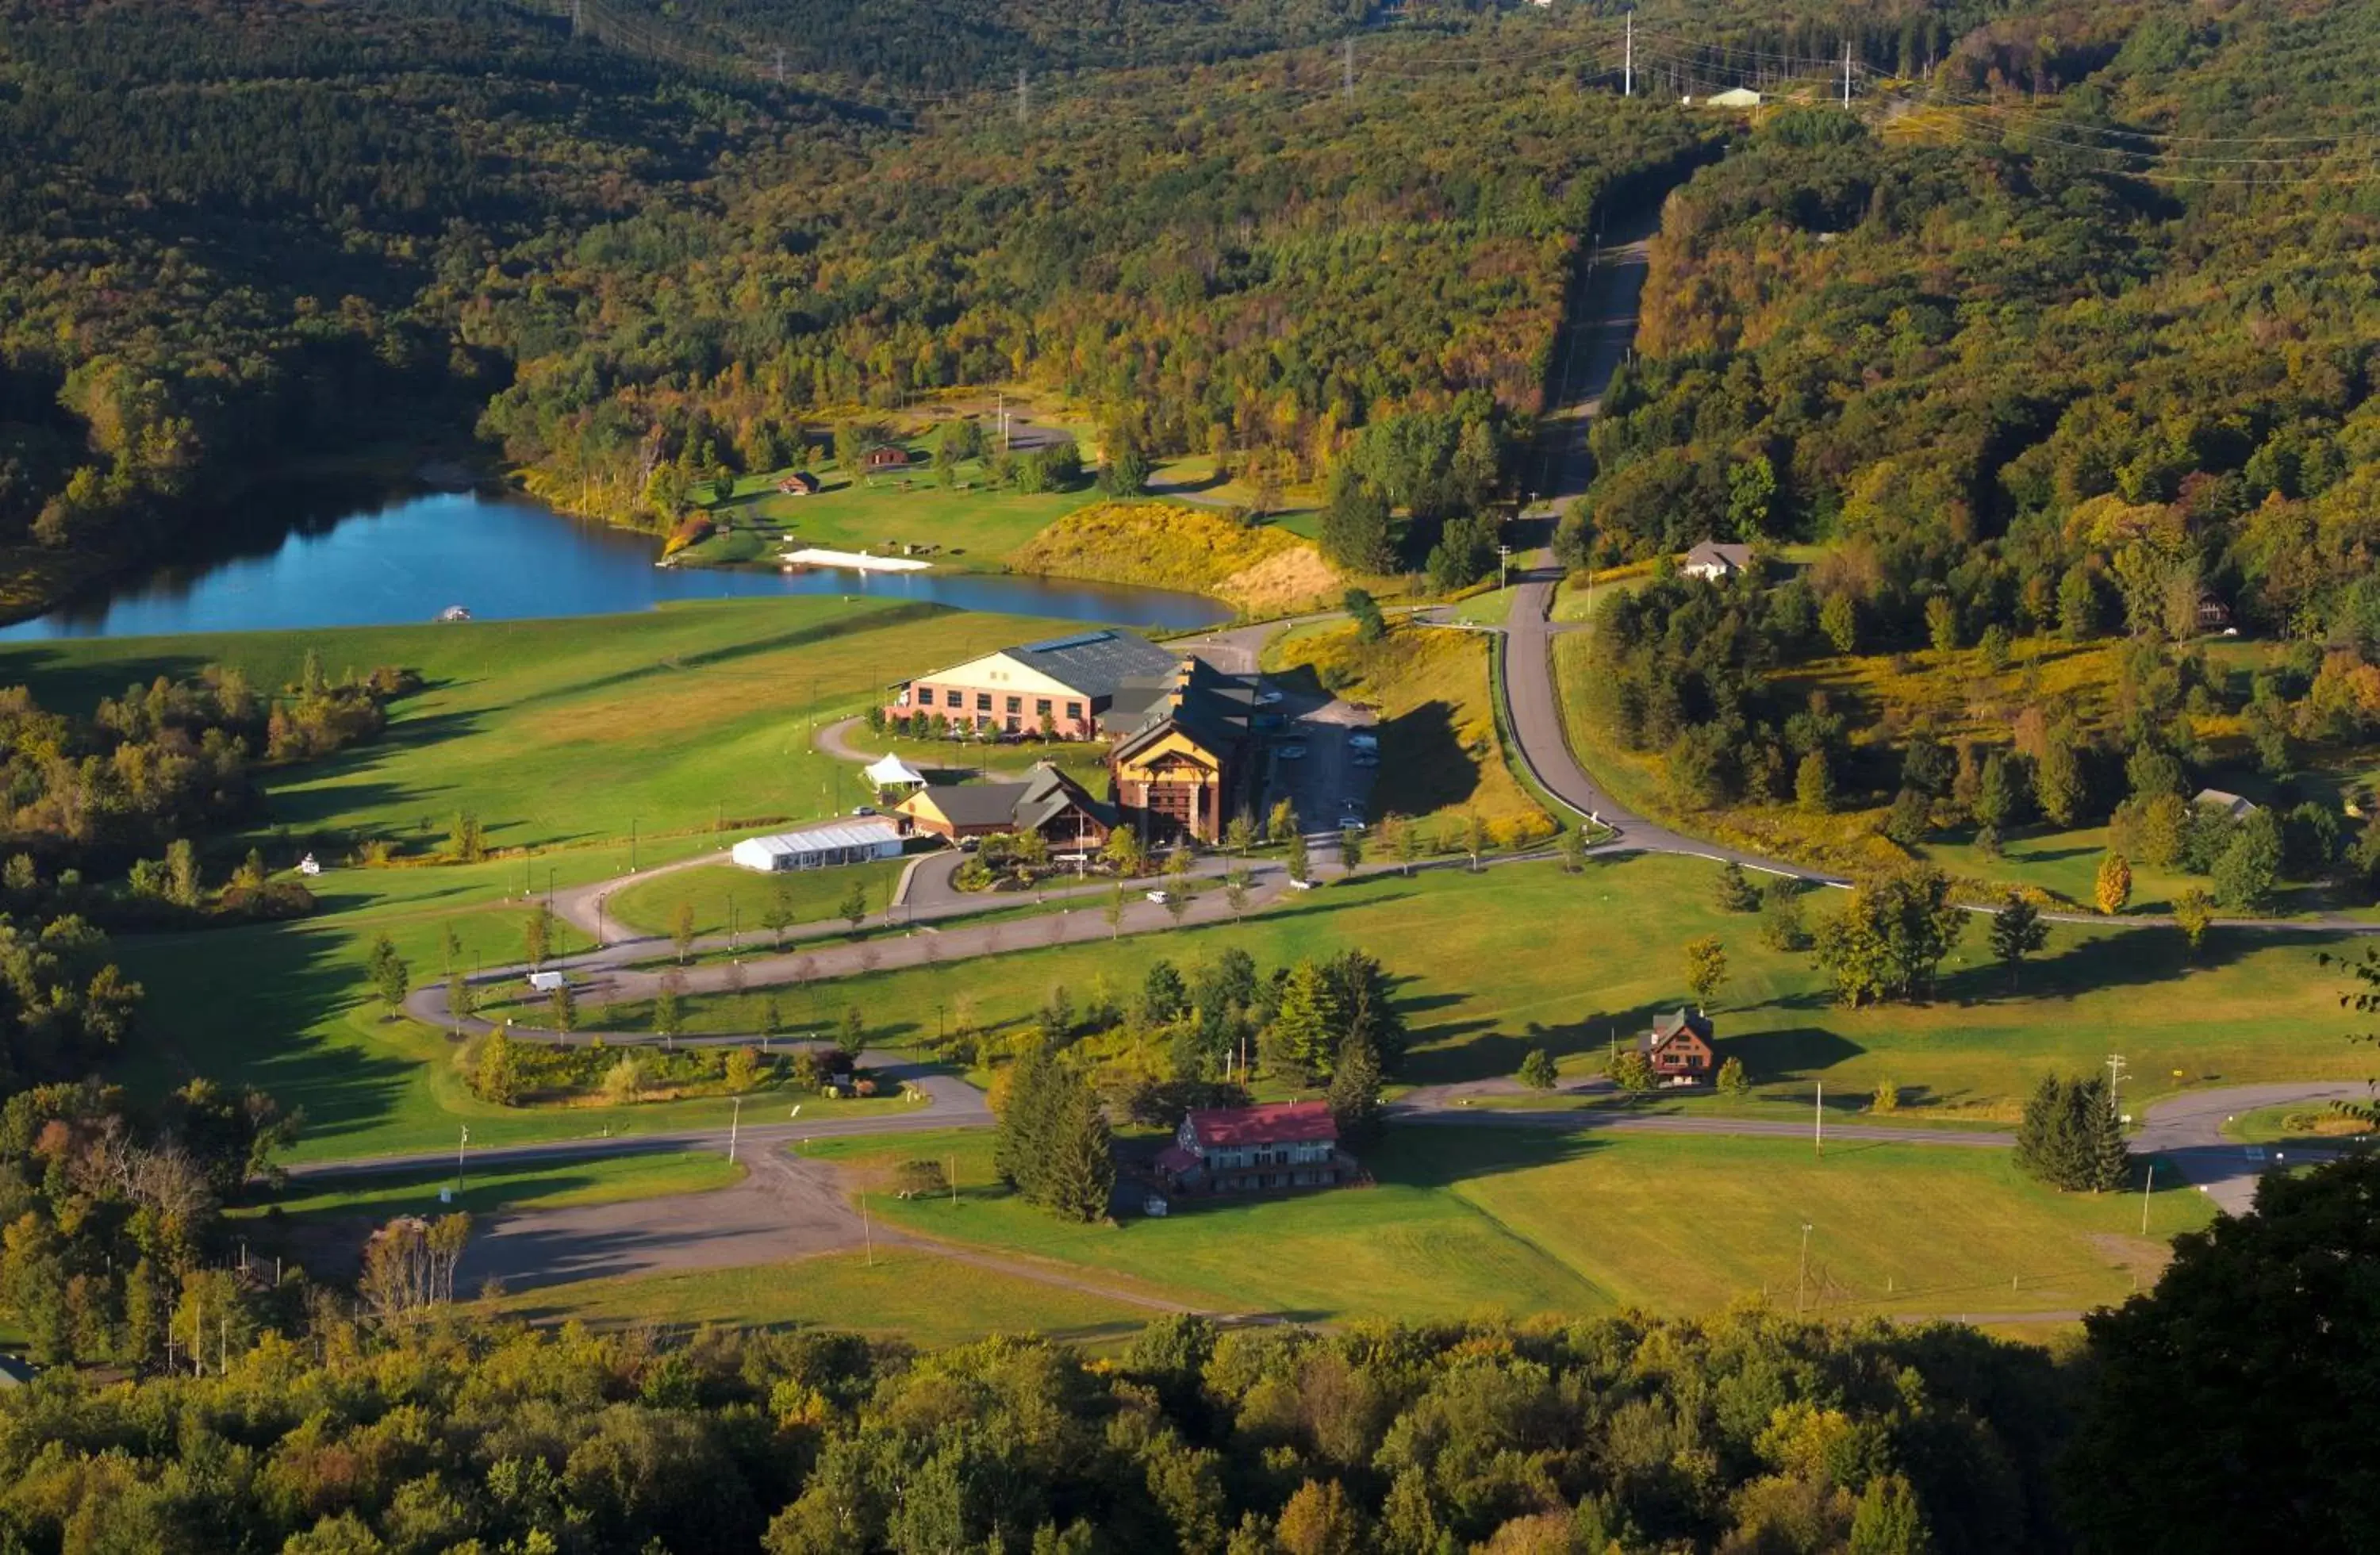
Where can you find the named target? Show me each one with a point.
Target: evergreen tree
(1078, 1173)
(1538, 1070)
(1020, 1143)
(1360, 984)
(1736, 893)
(2017, 932)
(1354, 1094)
(1304, 1037)
(389, 978)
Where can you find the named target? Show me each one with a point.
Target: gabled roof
(2232, 805)
(972, 804)
(1735, 558)
(1095, 663)
(1276, 1122)
(1667, 1025)
(1193, 697)
(1043, 794)
(867, 832)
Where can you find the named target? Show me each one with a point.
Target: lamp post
(460, 1146)
(735, 1123)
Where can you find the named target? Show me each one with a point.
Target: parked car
(1296, 884)
(1294, 751)
(863, 809)
(1159, 897)
(1363, 741)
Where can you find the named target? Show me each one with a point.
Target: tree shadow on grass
(1425, 767)
(1437, 1156)
(2129, 958)
(249, 1010)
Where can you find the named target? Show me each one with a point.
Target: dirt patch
(1281, 584)
(2142, 1257)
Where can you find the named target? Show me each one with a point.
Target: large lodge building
(1180, 763)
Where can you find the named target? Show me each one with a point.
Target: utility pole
(734, 1124)
(1628, 60)
(460, 1146)
(867, 1231)
(1347, 69)
(632, 844)
(2148, 1183)
(1847, 73)
(781, 65)
(2115, 1077)
(1023, 99)
(1818, 1123)
(1802, 1281)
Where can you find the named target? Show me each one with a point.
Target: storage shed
(819, 848)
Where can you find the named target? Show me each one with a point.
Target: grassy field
(556, 1185)
(561, 733)
(971, 530)
(1465, 1221)
(909, 1294)
(1488, 966)
(813, 895)
(1439, 760)
(2313, 1124)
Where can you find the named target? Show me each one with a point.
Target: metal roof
(1096, 664)
(866, 831)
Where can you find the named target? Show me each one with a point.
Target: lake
(326, 560)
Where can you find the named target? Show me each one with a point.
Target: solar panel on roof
(1080, 639)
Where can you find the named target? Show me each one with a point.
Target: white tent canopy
(893, 772)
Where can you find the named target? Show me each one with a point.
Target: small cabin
(801, 484)
(886, 456)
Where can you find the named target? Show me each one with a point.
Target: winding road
(790, 1207)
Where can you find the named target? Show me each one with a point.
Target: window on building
(983, 701)
(1074, 710)
(1016, 704)
(1015, 724)
(1042, 706)
(925, 696)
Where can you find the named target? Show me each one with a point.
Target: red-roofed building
(1253, 1149)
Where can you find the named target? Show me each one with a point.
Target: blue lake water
(331, 561)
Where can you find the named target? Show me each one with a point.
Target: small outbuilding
(2230, 804)
(887, 457)
(820, 847)
(549, 982)
(801, 484)
(1741, 97)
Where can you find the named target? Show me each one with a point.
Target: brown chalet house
(1255, 1149)
(1180, 767)
(1679, 1049)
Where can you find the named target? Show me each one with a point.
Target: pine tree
(1077, 1175)
(2109, 1158)
(1020, 1143)
(1538, 1070)
(2017, 932)
(1354, 1093)
(1305, 1033)
(1735, 892)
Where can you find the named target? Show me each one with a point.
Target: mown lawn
(909, 1293)
(550, 1185)
(1488, 966)
(811, 895)
(972, 531)
(563, 732)
(1472, 1220)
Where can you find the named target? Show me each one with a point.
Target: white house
(819, 848)
(1716, 562)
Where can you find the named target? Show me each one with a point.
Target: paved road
(2187, 1131)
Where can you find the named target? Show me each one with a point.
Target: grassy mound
(1258, 571)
